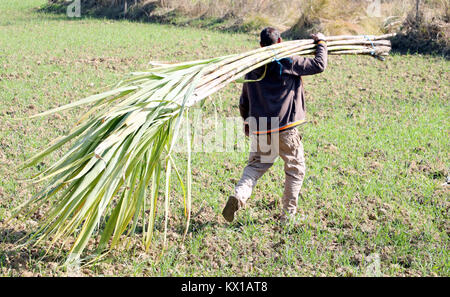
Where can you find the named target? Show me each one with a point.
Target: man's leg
(252, 172)
(291, 151)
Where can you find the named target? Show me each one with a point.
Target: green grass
(376, 152)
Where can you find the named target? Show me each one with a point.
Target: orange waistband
(281, 128)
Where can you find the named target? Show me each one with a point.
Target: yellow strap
(256, 80)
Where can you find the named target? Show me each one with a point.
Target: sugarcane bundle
(122, 148)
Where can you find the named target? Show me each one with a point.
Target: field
(377, 155)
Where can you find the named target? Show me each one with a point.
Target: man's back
(280, 92)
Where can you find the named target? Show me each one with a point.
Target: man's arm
(244, 103)
(244, 107)
(309, 66)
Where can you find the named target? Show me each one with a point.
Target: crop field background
(375, 198)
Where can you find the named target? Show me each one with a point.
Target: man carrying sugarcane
(272, 104)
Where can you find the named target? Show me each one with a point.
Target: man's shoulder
(296, 59)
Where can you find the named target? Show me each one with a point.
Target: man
(272, 104)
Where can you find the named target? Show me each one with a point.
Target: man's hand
(317, 37)
(246, 130)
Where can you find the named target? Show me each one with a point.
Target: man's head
(270, 36)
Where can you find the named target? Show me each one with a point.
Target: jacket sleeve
(309, 66)
(244, 103)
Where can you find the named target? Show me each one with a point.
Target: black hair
(269, 36)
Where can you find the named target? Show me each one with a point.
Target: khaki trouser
(262, 156)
